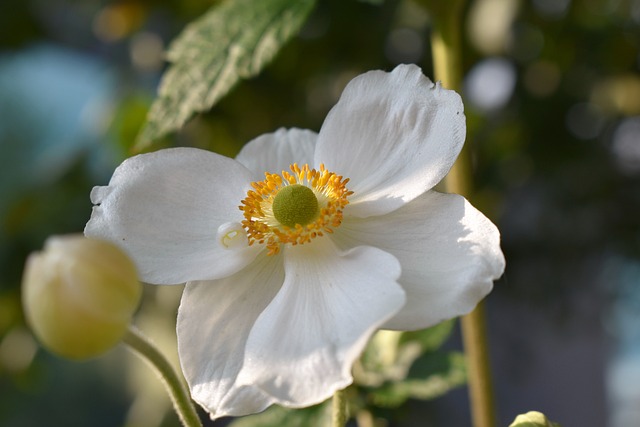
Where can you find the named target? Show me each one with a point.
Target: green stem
(447, 65)
(172, 380)
(339, 409)
(474, 335)
(446, 43)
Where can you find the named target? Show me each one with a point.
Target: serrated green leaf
(277, 416)
(233, 41)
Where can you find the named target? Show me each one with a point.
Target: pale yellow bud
(79, 295)
(532, 419)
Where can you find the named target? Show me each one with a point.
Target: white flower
(276, 314)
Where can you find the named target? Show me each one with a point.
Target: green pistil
(295, 204)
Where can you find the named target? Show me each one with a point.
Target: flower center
(295, 204)
(294, 207)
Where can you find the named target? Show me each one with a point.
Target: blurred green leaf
(277, 416)
(232, 41)
(390, 354)
(432, 338)
(380, 355)
(431, 376)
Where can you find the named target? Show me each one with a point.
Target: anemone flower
(298, 250)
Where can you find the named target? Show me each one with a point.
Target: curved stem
(447, 65)
(173, 382)
(339, 409)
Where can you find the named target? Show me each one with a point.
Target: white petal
(302, 347)
(214, 321)
(274, 152)
(165, 209)
(449, 252)
(394, 135)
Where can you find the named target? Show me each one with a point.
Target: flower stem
(474, 335)
(173, 382)
(339, 409)
(447, 65)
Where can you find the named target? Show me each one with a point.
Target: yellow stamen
(261, 224)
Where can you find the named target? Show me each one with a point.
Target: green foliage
(277, 416)
(399, 366)
(232, 41)
(430, 339)
(390, 355)
(433, 375)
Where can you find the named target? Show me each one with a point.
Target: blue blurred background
(552, 95)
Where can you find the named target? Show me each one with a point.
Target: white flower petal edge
(274, 152)
(214, 322)
(165, 208)
(241, 352)
(394, 135)
(449, 252)
(303, 345)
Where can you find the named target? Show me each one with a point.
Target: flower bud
(79, 295)
(532, 419)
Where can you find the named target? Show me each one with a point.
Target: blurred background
(552, 98)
